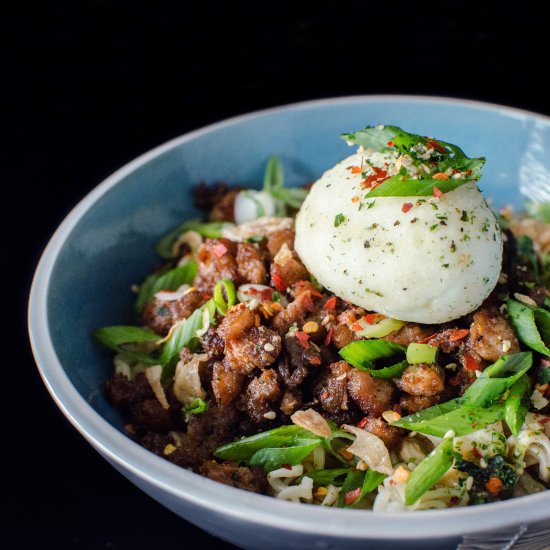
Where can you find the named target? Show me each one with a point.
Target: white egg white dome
(420, 259)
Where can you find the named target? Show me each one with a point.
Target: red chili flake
(278, 282)
(253, 291)
(390, 143)
(352, 496)
(219, 249)
(325, 395)
(307, 300)
(437, 192)
(287, 466)
(436, 146)
(330, 303)
(356, 169)
(406, 207)
(440, 176)
(356, 327)
(470, 362)
(315, 360)
(544, 420)
(303, 339)
(375, 179)
(328, 337)
(428, 338)
(362, 422)
(371, 318)
(266, 295)
(458, 334)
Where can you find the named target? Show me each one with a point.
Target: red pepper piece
(303, 338)
(470, 362)
(352, 496)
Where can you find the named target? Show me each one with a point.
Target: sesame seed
(270, 415)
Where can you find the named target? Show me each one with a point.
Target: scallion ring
(224, 303)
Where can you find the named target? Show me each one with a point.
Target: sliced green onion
(165, 280)
(224, 304)
(395, 371)
(244, 449)
(197, 406)
(497, 378)
(523, 319)
(274, 175)
(378, 330)
(362, 353)
(211, 230)
(421, 353)
(452, 415)
(118, 336)
(517, 404)
(273, 458)
(429, 471)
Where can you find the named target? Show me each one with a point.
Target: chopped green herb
(339, 219)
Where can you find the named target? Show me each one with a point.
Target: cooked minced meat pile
(264, 364)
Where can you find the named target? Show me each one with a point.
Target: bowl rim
(202, 492)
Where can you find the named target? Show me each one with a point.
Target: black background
(89, 85)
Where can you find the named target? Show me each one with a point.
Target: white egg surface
(419, 259)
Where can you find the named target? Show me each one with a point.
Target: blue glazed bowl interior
(109, 242)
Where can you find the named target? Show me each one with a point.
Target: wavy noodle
(487, 442)
(414, 449)
(281, 481)
(391, 495)
(532, 446)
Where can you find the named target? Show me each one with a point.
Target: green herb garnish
(445, 160)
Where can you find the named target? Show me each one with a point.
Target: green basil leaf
(444, 156)
(166, 280)
(243, 449)
(517, 404)
(452, 415)
(522, 318)
(362, 353)
(272, 458)
(497, 378)
(429, 471)
(208, 230)
(395, 187)
(373, 137)
(274, 175)
(329, 476)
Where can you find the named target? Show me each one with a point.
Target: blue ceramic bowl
(106, 243)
